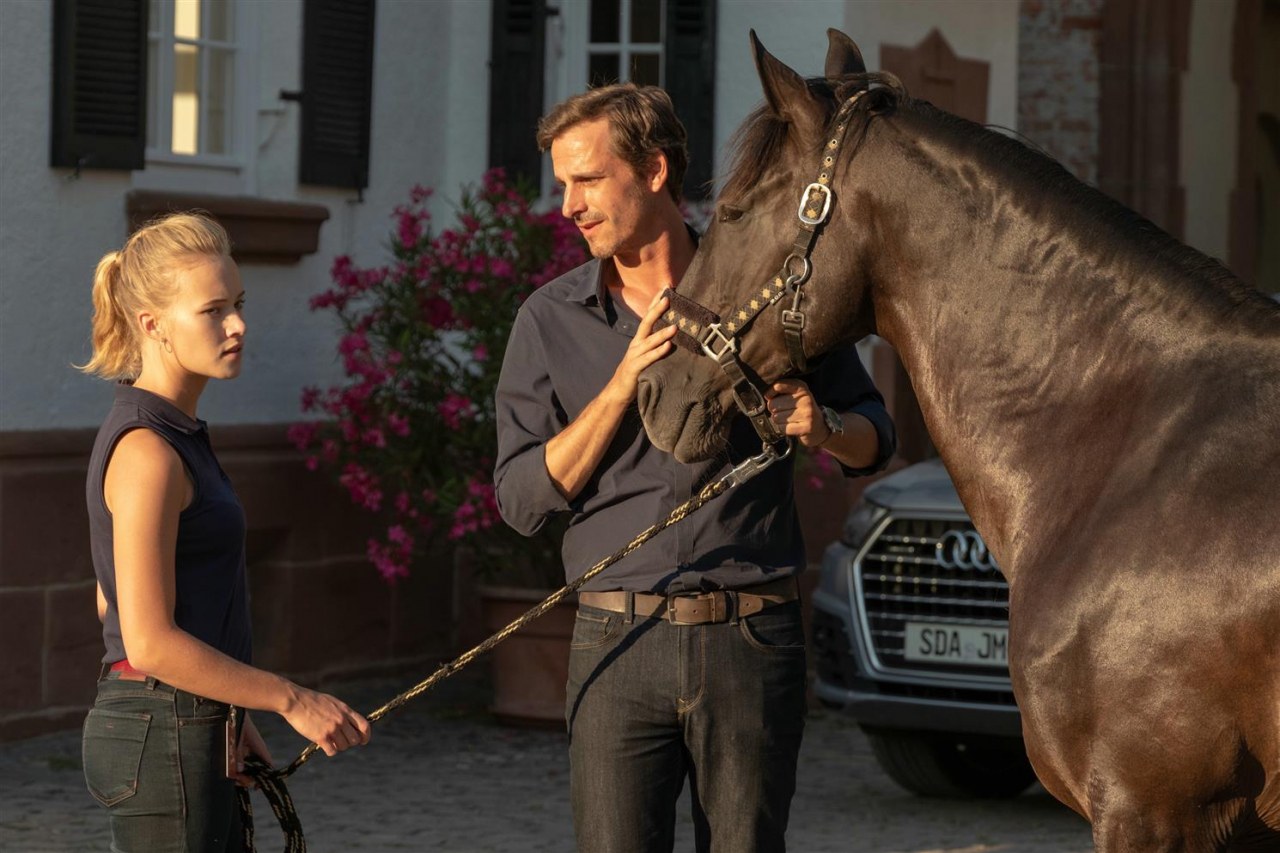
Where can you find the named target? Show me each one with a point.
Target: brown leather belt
(697, 608)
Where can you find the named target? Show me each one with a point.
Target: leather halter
(703, 332)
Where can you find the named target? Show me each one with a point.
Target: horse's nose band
(703, 332)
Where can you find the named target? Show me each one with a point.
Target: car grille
(900, 580)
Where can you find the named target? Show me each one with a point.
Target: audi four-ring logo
(964, 549)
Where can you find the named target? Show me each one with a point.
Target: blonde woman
(166, 738)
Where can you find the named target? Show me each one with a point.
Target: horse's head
(686, 400)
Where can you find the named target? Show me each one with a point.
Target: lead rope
(271, 781)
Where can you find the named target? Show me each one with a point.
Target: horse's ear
(843, 56)
(785, 91)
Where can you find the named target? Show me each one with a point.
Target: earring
(168, 347)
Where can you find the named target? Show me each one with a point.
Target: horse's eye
(728, 213)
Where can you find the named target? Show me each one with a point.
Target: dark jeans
(650, 702)
(153, 756)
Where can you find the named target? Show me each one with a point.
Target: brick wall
(319, 609)
(1058, 95)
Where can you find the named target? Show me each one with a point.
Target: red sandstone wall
(1058, 45)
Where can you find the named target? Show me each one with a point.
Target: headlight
(865, 516)
(834, 580)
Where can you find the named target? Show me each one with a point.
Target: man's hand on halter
(645, 348)
(797, 413)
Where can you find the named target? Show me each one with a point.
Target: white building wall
(1210, 126)
(795, 33)
(429, 126)
(52, 231)
(986, 30)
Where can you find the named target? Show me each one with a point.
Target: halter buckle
(793, 319)
(749, 399)
(806, 206)
(714, 337)
(751, 402)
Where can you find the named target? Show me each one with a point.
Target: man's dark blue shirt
(568, 339)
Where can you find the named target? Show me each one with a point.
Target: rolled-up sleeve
(842, 383)
(528, 416)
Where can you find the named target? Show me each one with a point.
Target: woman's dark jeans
(153, 756)
(651, 702)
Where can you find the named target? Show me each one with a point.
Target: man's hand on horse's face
(797, 413)
(646, 347)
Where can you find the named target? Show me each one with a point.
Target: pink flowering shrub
(410, 432)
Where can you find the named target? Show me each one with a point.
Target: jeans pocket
(112, 753)
(776, 629)
(591, 630)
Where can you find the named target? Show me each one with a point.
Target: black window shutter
(337, 92)
(690, 80)
(516, 70)
(99, 105)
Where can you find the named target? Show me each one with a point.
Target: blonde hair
(140, 277)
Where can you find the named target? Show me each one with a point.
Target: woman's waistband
(122, 679)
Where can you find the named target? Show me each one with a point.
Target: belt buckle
(670, 614)
(719, 607)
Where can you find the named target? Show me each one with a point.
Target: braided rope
(271, 781)
(272, 786)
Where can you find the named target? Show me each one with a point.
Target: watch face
(833, 420)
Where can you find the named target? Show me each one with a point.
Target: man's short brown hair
(642, 122)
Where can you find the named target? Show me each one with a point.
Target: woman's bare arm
(145, 489)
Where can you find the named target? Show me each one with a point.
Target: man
(658, 690)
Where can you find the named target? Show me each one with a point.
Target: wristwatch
(833, 421)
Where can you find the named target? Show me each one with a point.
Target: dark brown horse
(1106, 399)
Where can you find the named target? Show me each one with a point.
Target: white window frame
(568, 50)
(576, 47)
(232, 172)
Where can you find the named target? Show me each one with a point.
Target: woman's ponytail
(116, 354)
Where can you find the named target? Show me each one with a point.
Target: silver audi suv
(911, 630)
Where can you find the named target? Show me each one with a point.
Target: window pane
(186, 99)
(645, 69)
(219, 96)
(646, 21)
(186, 19)
(604, 20)
(219, 20)
(602, 69)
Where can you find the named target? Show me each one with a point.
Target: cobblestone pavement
(440, 775)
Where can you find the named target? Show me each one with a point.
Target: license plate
(962, 644)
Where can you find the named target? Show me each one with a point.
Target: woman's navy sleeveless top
(212, 601)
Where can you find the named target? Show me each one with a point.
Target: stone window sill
(261, 231)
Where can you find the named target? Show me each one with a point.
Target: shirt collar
(160, 408)
(588, 288)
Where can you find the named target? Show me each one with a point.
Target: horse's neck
(1025, 344)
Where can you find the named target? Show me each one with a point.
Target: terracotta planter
(530, 669)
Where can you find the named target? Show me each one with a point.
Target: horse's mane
(758, 146)
(755, 146)
(1037, 172)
